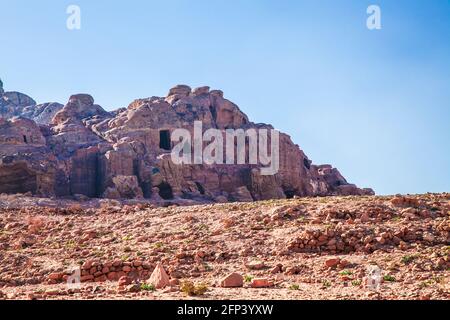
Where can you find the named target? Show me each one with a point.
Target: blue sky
(375, 104)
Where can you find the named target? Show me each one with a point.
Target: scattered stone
(124, 281)
(174, 282)
(133, 288)
(32, 296)
(261, 283)
(55, 276)
(255, 265)
(87, 265)
(159, 278)
(332, 263)
(52, 292)
(365, 217)
(277, 269)
(415, 252)
(232, 281)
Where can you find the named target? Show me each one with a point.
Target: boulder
(12, 104)
(79, 107)
(200, 91)
(232, 280)
(181, 90)
(159, 278)
(261, 283)
(332, 263)
(127, 187)
(42, 113)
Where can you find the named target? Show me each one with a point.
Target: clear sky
(375, 104)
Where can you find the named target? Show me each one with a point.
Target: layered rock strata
(81, 149)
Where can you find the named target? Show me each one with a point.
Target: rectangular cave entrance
(290, 193)
(165, 191)
(200, 188)
(164, 140)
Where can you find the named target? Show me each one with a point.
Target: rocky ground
(307, 248)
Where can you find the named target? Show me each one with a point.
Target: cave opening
(165, 191)
(289, 194)
(200, 188)
(213, 112)
(164, 140)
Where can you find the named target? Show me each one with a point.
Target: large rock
(20, 132)
(42, 113)
(181, 89)
(127, 187)
(18, 104)
(79, 107)
(233, 280)
(12, 104)
(26, 163)
(81, 149)
(159, 278)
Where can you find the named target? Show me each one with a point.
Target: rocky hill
(89, 209)
(81, 150)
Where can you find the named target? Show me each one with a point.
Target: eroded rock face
(42, 113)
(20, 132)
(81, 149)
(12, 104)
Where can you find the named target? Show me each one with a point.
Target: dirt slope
(309, 248)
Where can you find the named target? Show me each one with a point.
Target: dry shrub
(228, 222)
(192, 289)
(35, 224)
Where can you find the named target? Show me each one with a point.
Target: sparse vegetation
(127, 238)
(192, 289)
(70, 244)
(208, 268)
(326, 283)
(389, 278)
(408, 259)
(346, 273)
(314, 260)
(294, 287)
(35, 224)
(159, 245)
(356, 283)
(148, 287)
(425, 284)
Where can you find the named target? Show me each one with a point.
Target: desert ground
(303, 248)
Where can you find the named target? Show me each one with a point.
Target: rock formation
(18, 104)
(81, 149)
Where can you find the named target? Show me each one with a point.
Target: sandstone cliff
(81, 149)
